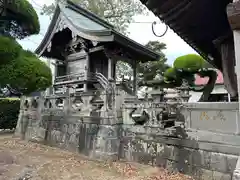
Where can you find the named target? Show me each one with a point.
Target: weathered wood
(233, 12)
(94, 49)
(225, 45)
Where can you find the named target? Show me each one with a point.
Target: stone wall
(93, 136)
(201, 154)
(208, 148)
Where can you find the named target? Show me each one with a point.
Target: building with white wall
(219, 93)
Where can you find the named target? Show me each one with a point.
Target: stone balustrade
(206, 147)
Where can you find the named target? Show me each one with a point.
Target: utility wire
(41, 7)
(135, 22)
(36, 4)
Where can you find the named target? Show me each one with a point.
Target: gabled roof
(197, 22)
(89, 26)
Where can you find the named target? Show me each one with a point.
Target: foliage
(148, 71)
(9, 49)
(26, 73)
(123, 69)
(157, 47)
(170, 74)
(9, 113)
(185, 68)
(190, 62)
(21, 19)
(188, 65)
(21, 72)
(118, 12)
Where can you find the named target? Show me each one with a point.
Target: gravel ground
(21, 160)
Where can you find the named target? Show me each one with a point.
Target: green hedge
(9, 110)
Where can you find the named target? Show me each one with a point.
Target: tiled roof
(203, 81)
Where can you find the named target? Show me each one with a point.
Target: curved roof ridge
(89, 14)
(101, 30)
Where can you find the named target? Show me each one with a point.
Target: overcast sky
(140, 32)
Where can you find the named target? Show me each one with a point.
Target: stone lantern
(183, 91)
(158, 95)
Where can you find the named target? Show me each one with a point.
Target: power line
(38, 5)
(135, 22)
(139, 22)
(30, 40)
(41, 7)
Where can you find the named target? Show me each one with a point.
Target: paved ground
(20, 160)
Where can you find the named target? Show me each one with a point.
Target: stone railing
(153, 114)
(208, 147)
(216, 117)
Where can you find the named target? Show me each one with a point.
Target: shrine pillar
(110, 68)
(233, 12)
(87, 71)
(134, 77)
(49, 90)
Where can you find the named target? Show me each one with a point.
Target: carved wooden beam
(97, 48)
(119, 55)
(233, 12)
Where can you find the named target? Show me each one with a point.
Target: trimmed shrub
(190, 62)
(9, 110)
(24, 19)
(170, 74)
(9, 49)
(27, 73)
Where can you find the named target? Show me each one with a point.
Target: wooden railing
(80, 77)
(75, 77)
(70, 77)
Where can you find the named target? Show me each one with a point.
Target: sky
(139, 32)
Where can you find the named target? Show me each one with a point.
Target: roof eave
(50, 31)
(166, 18)
(90, 15)
(153, 56)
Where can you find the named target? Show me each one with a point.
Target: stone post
(66, 100)
(233, 11)
(18, 130)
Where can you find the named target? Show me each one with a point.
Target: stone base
(149, 145)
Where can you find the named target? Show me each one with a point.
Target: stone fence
(207, 148)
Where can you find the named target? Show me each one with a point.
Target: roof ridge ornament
(153, 30)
